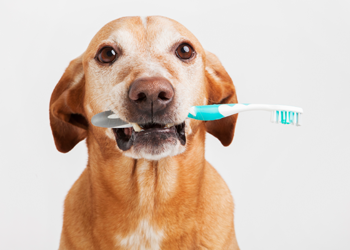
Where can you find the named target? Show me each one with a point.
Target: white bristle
(287, 118)
(279, 116)
(299, 119)
(293, 122)
(273, 116)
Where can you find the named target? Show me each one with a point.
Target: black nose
(151, 94)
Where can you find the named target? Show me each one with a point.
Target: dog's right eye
(107, 55)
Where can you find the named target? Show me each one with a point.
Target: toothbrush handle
(218, 111)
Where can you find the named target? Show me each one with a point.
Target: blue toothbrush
(279, 114)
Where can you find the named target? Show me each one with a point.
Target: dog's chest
(144, 237)
(150, 183)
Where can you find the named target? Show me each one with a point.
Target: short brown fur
(182, 198)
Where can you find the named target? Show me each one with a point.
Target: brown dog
(148, 189)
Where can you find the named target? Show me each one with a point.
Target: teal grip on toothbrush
(215, 111)
(205, 113)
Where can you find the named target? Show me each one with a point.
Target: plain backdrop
(291, 185)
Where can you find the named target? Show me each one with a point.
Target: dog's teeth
(136, 127)
(169, 125)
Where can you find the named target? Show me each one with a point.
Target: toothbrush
(279, 114)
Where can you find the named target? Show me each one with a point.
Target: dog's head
(149, 71)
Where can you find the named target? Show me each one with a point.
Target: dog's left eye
(184, 51)
(107, 55)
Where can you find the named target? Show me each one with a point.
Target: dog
(146, 187)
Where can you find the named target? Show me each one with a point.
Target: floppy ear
(220, 91)
(67, 117)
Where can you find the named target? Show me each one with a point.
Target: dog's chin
(151, 141)
(167, 150)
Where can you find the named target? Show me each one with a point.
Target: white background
(291, 185)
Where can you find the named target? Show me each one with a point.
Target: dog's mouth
(150, 135)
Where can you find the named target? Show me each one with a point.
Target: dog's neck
(141, 184)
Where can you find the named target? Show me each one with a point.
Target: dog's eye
(107, 55)
(184, 51)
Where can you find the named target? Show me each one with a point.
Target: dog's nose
(151, 93)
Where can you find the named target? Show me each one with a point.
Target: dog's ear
(67, 117)
(220, 91)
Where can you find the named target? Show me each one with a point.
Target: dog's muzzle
(150, 105)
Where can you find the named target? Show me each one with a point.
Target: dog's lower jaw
(168, 150)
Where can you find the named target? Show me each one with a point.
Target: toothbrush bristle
(286, 117)
(299, 119)
(279, 116)
(273, 116)
(292, 117)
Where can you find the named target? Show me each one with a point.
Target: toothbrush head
(286, 117)
(108, 119)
